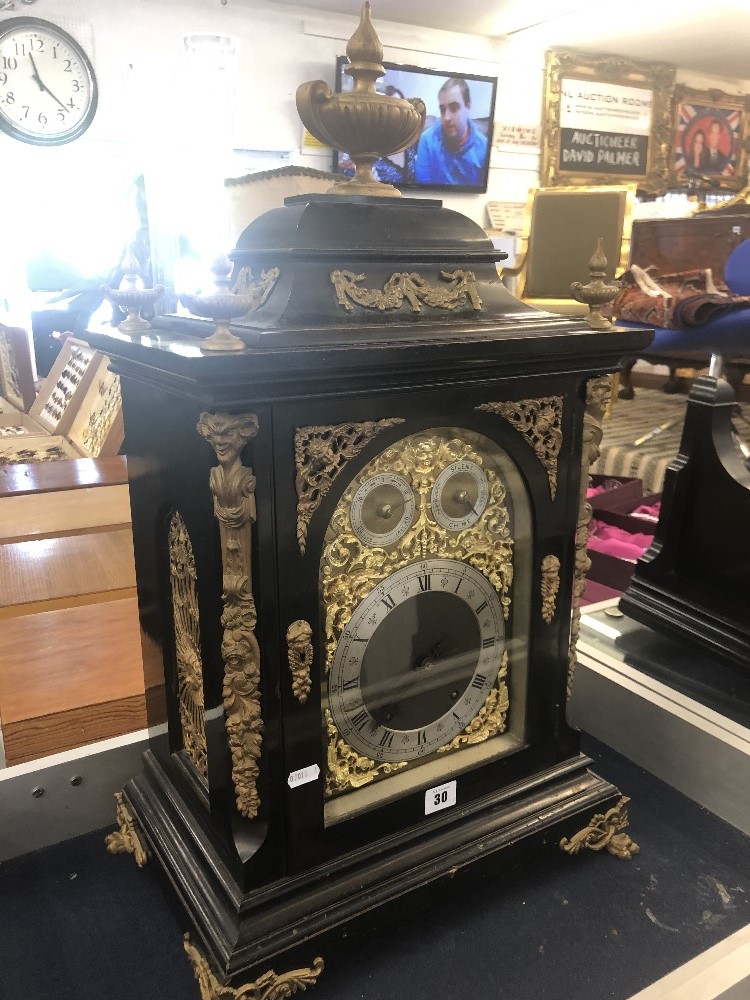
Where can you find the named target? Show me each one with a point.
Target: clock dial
(417, 660)
(459, 496)
(382, 509)
(48, 90)
(419, 669)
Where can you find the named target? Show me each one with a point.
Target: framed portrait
(606, 120)
(711, 135)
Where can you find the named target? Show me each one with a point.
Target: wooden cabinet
(670, 245)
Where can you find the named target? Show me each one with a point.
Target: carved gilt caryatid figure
(233, 488)
(550, 587)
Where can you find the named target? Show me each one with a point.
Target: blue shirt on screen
(438, 165)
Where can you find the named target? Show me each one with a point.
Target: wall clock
(48, 90)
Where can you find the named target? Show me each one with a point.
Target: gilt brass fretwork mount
(362, 122)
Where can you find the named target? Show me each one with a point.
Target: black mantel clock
(358, 542)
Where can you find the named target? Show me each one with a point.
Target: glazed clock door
(420, 544)
(416, 593)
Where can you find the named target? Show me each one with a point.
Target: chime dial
(459, 495)
(382, 510)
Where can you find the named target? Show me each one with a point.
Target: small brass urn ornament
(596, 293)
(132, 296)
(362, 123)
(222, 305)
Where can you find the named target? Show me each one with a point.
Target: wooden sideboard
(670, 245)
(70, 642)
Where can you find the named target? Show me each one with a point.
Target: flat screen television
(453, 151)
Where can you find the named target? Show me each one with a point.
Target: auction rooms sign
(604, 128)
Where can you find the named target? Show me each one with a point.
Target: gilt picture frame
(710, 139)
(606, 120)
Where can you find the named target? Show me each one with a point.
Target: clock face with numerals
(48, 92)
(417, 580)
(417, 660)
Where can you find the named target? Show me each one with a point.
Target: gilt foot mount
(604, 833)
(126, 840)
(270, 986)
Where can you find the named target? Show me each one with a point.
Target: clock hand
(387, 509)
(54, 98)
(35, 74)
(43, 86)
(462, 497)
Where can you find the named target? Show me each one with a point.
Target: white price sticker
(304, 775)
(440, 797)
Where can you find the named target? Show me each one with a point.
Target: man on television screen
(453, 150)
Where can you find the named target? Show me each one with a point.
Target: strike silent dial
(459, 495)
(382, 510)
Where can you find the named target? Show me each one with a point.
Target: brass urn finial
(361, 122)
(131, 295)
(597, 292)
(365, 53)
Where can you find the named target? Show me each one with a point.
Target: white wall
(158, 117)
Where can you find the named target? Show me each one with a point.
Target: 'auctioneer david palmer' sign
(604, 128)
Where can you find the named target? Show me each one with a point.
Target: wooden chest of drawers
(679, 244)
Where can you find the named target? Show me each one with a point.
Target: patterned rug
(632, 419)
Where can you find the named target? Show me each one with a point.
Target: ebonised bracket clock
(358, 543)
(694, 580)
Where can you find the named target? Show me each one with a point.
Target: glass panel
(425, 580)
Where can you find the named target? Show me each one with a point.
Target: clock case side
(169, 472)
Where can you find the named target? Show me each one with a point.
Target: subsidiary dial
(382, 510)
(459, 495)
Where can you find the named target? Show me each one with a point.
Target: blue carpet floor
(79, 924)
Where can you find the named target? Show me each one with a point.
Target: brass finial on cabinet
(132, 296)
(361, 122)
(597, 292)
(221, 305)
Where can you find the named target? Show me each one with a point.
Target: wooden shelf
(66, 512)
(42, 574)
(70, 677)
(73, 474)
